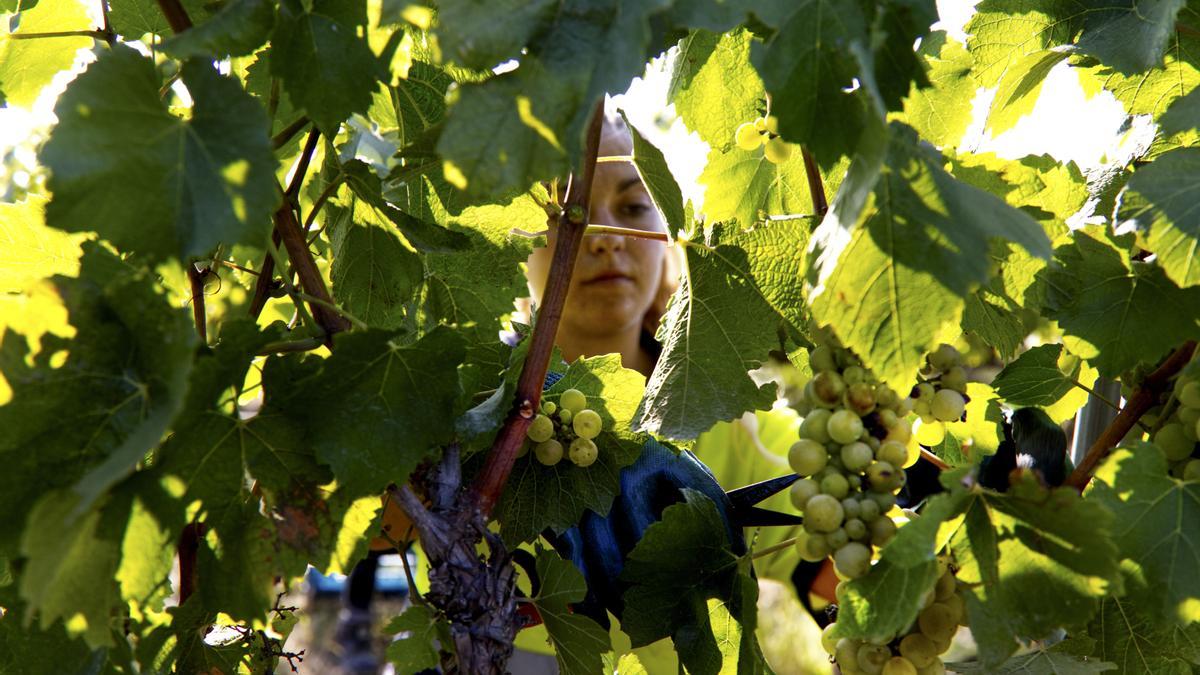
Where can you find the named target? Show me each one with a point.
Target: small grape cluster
(763, 131)
(1178, 435)
(940, 395)
(916, 651)
(570, 423)
(853, 447)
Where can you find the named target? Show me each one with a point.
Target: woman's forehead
(615, 140)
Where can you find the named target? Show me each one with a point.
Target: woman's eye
(636, 209)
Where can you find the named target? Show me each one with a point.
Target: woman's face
(616, 278)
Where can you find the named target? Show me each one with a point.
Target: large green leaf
(918, 249)
(93, 406)
(484, 33)
(1131, 631)
(714, 87)
(744, 186)
(1040, 377)
(1160, 199)
(1132, 35)
(660, 183)
(941, 112)
(374, 274)
(1116, 312)
(237, 29)
(1020, 87)
(29, 250)
(413, 104)
(556, 497)
(415, 651)
(151, 182)
(578, 641)
(1158, 525)
(327, 69)
(686, 583)
(32, 651)
(1055, 660)
(26, 66)
(722, 322)
(1032, 565)
(1005, 31)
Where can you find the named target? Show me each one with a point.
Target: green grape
(835, 485)
(564, 416)
(1189, 417)
(882, 531)
(868, 510)
(929, 434)
(925, 392)
(881, 476)
(898, 665)
(778, 151)
(944, 357)
(823, 513)
(573, 400)
(837, 539)
(855, 481)
(856, 456)
(923, 409)
(888, 400)
(938, 622)
(587, 423)
(854, 375)
(855, 529)
(1190, 395)
(919, 649)
(747, 137)
(583, 452)
(772, 124)
(887, 417)
(845, 427)
(815, 425)
(1192, 470)
(892, 452)
(1173, 441)
(852, 560)
(821, 359)
(807, 457)
(828, 642)
(760, 124)
(860, 398)
(812, 547)
(885, 500)
(871, 658)
(947, 405)
(956, 379)
(945, 586)
(935, 668)
(958, 606)
(548, 407)
(851, 507)
(846, 654)
(540, 429)
(900, 433)
(829, 387)
(802, 491)
(548, 452)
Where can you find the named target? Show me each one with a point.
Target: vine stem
(199, 315)
(1143, 399)
(774, 548)
(934, 460)
(816, 188)
(571, 226)
(107, 36)
(281, 139)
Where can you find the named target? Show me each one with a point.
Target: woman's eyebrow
(628, 183)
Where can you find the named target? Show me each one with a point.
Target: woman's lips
(609, 278)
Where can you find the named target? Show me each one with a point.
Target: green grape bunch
(568, 428)
(764, 132)
(1175, 421)
(854, 445)
(917, 650)
(940, 395)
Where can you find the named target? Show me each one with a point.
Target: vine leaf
(1060, 659)
(237, 29)
(743, 185)
(985, 420)
(886, 601)
(131, 349)
(133, 19)
(415, 651)
(1019, 89)
(686, 583)
(26, 66)
(918, 249)
(481, 35)
(579, 642)
(1046, 377)
(1032, 565)
(1160, 199)
(1158, 524)
(151, 182)
(1131, 630)
(718, 327)
(660, 183)
(29, 649)
(714, 86)
(374, 275)
(1183, 114)
(29, 250)
(415, 103)
(326, 68)
(540, 496)
(941, 112)
(1005, 31)
(1132, 36)
(1130, 313)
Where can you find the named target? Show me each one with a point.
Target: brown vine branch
(281, 139)
(97, 34)
(1143, 399)
(571, 226)
(934, 460)
(816, 188)
(177, 17)
(188, 548)
(199, 315)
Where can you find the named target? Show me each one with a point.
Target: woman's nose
(599, 244)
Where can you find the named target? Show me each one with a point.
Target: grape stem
(934, 460)
(572, 224)
(816, 188)
(1142, 400)
(199, 315)
(281, 139)
(774, 548)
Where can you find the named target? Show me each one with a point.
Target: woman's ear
(668, 283)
